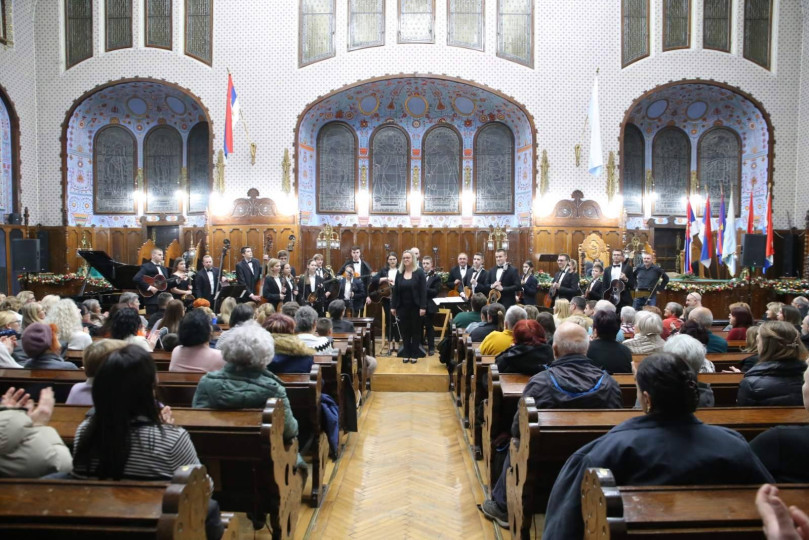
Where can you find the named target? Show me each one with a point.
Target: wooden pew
(549, 436)
(82, 509)
(455, 338)
(722, 361)
(480, 378)
(351, 347)
(366, 323)
(725, 387)
(162, 359)
(244, 452)
(468, 370)
(722, 512)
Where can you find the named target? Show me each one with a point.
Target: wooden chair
(441, 322)
(593, 247)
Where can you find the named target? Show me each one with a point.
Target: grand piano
(117, 273)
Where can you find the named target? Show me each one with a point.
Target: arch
(14, 150)
(633, 168)
(162, 150)
(715, 192)
(372, 177)
(82, 214)
(429, 161)
(489, 149)
(126, 203)
(198, 164)
(671, 165)
(334, 196)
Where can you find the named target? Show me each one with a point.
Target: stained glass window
(78, 31)
(7, 159)
(757, 31)
(515, 31)
(676, 24)
(390, 150)
(442, 171)
(633, 164)
(634, 30)
(716, 19)
(465, 23)
(162, 166)
(366, 23)
(337, 165)
(114, 170)
(720, 155)
(199, 30)
(3, 23)
(494, 170)
(118, 30)
(416, 21)
(199, 167)
(316, 31)
(158, 24)
(671, 169)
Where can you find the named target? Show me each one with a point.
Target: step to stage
(427, 375)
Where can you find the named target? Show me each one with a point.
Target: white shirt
(312, 281)
(210, 278)
(278, 282)
(499, 274)
(347, 294)
(463, 273)
(392, 275)
(357, 268)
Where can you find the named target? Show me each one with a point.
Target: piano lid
(117, 273)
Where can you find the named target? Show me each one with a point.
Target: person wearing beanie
(39, 344)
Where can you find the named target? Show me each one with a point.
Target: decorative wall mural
(6, 177)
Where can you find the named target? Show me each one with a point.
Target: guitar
(159, 282)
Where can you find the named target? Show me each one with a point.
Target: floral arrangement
(59, 279)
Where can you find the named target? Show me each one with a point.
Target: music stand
(226, 291)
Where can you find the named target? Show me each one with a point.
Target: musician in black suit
(275, 286)
(311, 284)
(479, 280)
(620, 270)
(324, 273)
(460, 274)
(505, 278)
(352, 291)
(283, 256)
(565, 283)
(433, 282)
(248, 272)
(595, 290)
(529, 284)
(409, 305)
(387, 276)
(361, 270)
(151, 269)
(205, 280)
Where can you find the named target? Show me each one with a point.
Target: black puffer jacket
(772, 383)
(525, 359)
(571, 382)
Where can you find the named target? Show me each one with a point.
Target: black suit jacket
(433, 284)
(510, 280)
(529, 291)
(455, 273)
(305, 288)
(202, 286)
(595, 291)
(419, 290)
(569, 285)
(365, 268)
(629, 284)
(271, 292)
(358, 288)
(482, 281)
(149, 269)
(247, 277)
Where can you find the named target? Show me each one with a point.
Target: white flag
(729, 245)
(595, 161)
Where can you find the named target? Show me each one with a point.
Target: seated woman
(175, 311)
(94, 307)
(647, 340)
(126, 324)
(225, 309)
(194, 352)
(666, 446)
(494, 315)
(740, 321)
(67, 318)
(628, 319)
(692, 352)
(783, 449)
(791, 315)
(126, 435)
(561, 310)
(40, 344)
(731, 307)
(31, 313)
(671, 317)
(291, 354)
(94, 355)
(604, 351)
(29, 448)
(777, 377)
(530, 351)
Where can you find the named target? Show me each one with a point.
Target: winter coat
(29, 451)
(525, 359)
(772, 383)
(291, 355)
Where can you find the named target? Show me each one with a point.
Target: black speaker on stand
(25, 256)
(754, 247)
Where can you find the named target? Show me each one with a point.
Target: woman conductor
(409, 305)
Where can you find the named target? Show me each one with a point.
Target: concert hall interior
(530, 139)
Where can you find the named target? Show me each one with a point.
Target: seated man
(337, 309)
(497, 342)
(570, 382)
(704, 317)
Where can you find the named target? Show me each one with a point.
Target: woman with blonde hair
(48, 301)
(92, 358)
(263, 311)
(561, 310)
(66, 316)
(225, 309)
(648, 330)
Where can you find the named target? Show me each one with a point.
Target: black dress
(410, 296)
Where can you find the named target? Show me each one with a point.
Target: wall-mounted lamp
(326, 240)
(291, 243)
(498, 239)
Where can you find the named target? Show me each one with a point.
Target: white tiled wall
(256, 40)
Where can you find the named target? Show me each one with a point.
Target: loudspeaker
(754, 247)
(14, 219)
(25, 255)
(788, 256)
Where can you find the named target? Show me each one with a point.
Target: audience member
(126, 324)
(40, 344)
(290, 309)
(92, 358)
(647, 340)
(693, 300)
(692, 352)
(464, 318)
(94, 307)
(32, 312)
(561, 310)
(194, 352)
(498, 341)
(780, 522)
(65, 315)
(131, 300)
(163, 300)
(337, 309)
(773, 309)
(291, 354)
(671, 317)
(8, 342)
(263, 311)
(225, 309)
(545, 319)
(791, 315)
(305, 320)
(801, 303)
(628, 320)
(704, 318)
(603, 350)
(529, 352)
(740, 320)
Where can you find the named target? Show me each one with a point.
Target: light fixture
(498, 238)
(326, 240)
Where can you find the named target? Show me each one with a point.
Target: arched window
(336, 169)
(118, 24)
(719, 158)
(671, 165)
(634, 30)
(162, 165)
(199, 168)
(199, 30)
(758, 31)
(441, 176)
(115, 157)
(390, 170)
(9, 156)
(633, 163)
(717, 21)
(159, 24)
(494, 170)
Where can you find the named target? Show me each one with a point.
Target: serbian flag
(720, 231)
(688, 237)
(768, 257)
(751, 215)
(705, 235)
(231, 116)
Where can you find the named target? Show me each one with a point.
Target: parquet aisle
(408, 475)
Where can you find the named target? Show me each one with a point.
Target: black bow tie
(499, 267)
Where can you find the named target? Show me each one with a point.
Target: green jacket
(235, 387)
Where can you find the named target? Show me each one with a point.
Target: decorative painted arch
(372, 103)
(9, 155)
(138, 104)
(697, 106)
